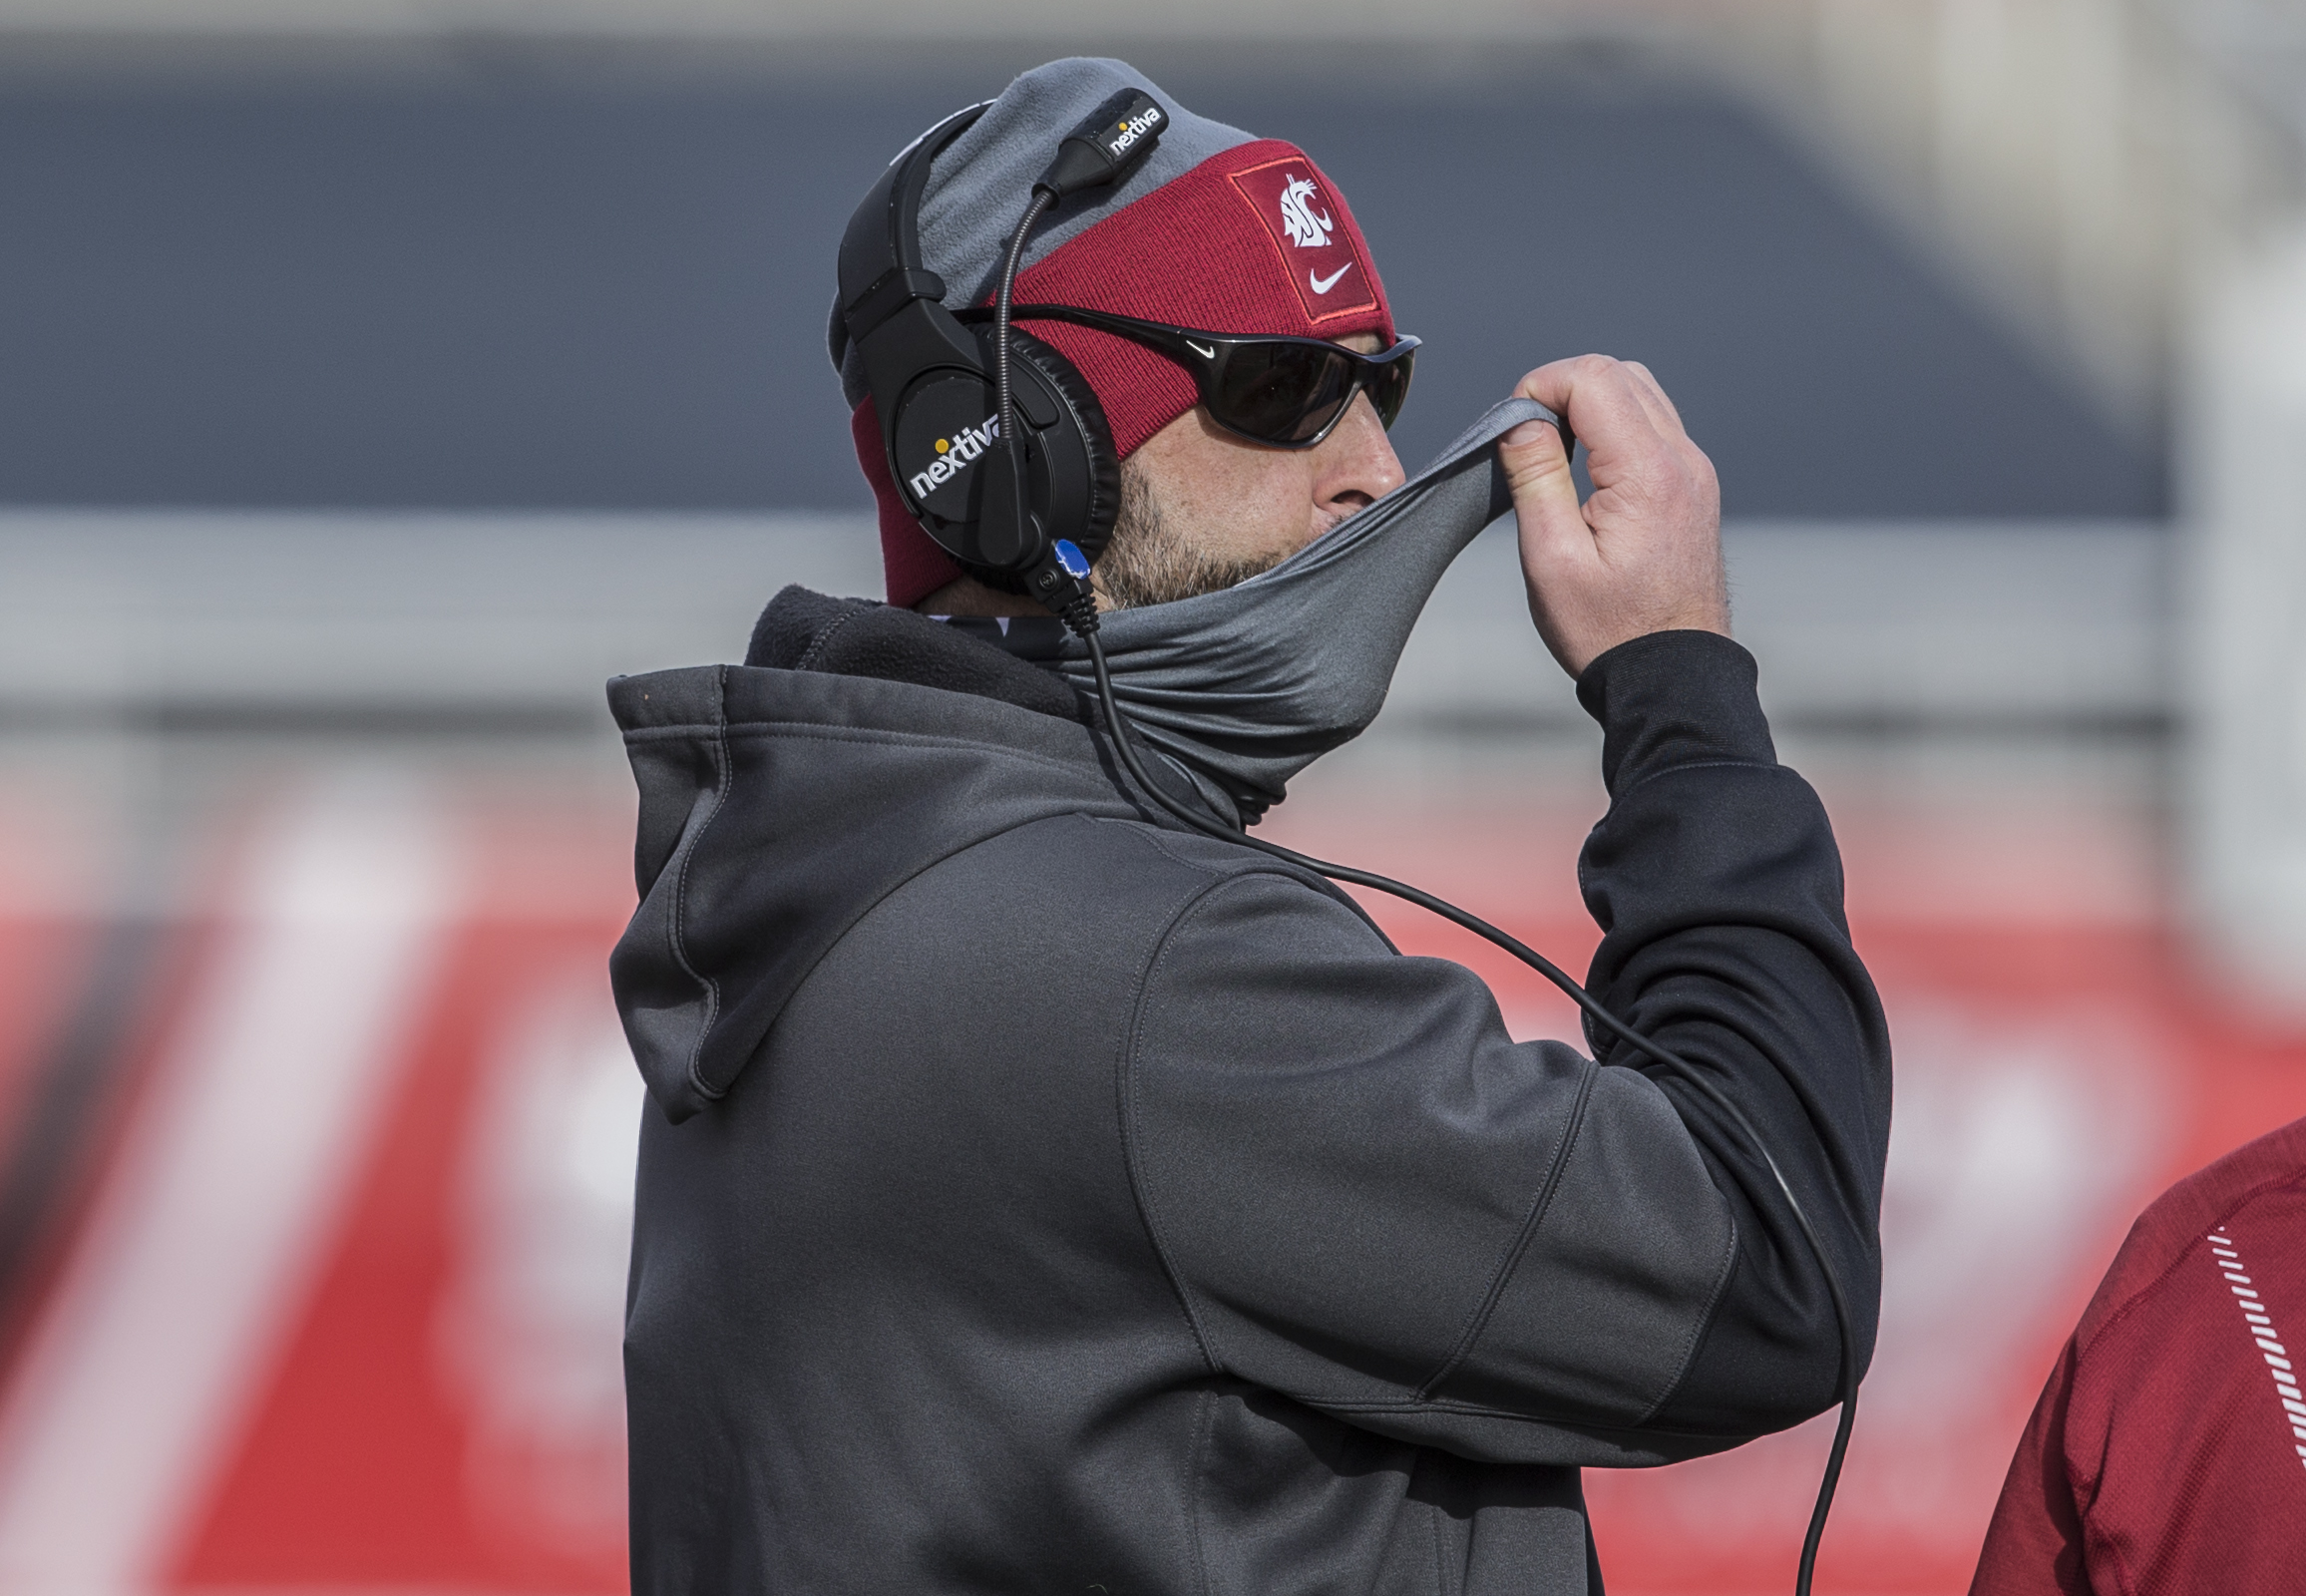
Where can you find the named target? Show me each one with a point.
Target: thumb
(1544, 492)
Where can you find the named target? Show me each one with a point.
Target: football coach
(1042, 1196)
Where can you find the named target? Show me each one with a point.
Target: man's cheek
(1272, 506)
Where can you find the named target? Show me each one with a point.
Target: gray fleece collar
(1249, 686)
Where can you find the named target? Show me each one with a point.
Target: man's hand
(1644, 552)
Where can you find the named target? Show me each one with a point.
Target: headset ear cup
(1097, 434)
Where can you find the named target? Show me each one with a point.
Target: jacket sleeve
(1374, 1201)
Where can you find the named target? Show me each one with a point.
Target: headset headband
(879, 263)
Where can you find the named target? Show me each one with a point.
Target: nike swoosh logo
(1203, 353)
(1324, 286)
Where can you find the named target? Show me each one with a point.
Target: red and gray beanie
(1217, 231)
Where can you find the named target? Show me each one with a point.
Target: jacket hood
(777, 807)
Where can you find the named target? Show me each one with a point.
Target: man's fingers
(1602, 401)
(1642, 554)
(1544, 492)
(1661, 409)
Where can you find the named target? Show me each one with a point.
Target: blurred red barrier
(343, 1312)
(346, 1312)
(47, 885)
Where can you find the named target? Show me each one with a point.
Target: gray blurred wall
(551, 273)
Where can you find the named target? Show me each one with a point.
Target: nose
(1355, 465)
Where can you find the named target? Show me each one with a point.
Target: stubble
(1152, 559)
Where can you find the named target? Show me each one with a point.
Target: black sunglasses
(1283, 391)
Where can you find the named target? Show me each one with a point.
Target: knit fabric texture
(1216, 231)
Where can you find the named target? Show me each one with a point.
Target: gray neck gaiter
(1247, 686)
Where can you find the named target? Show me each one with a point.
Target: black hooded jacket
(1047, 1198)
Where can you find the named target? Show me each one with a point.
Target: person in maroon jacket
(2168, 1451)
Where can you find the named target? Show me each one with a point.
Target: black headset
(934, 389)
(994, 442)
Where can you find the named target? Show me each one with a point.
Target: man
(2168, 1451)
(1049, 1197)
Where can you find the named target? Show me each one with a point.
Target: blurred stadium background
(376, 378)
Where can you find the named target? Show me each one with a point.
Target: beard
(1152, 559)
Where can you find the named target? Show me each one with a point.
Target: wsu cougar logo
(1311, 236)
(1305, 229)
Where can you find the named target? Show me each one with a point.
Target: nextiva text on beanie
(1217, 231)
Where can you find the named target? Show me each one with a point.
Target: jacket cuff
(1674, 698)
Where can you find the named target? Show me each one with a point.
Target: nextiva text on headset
(997, 444)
